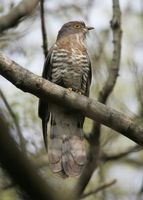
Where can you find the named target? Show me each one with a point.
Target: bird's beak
(90, 28)
(87, 28)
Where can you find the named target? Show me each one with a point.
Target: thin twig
(100, 188)
(17, 13)
(12, 114)
(105, 157)
(138, 76)
(43, 29)
(114, 70)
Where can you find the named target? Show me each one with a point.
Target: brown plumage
(68, 65)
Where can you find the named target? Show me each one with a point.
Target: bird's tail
(67, 155)
(66, 151)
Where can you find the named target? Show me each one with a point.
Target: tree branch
(36, 85)
(43, 29)
(21, 139)
(20, 169)
(92, 164)
(117, 36)
(106, 158)
(113, 71)
(100, 188)
(11, 19)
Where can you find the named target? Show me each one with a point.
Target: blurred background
(23, 44)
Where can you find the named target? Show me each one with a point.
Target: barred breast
(70, 69)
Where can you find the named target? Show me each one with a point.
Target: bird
(67, 64)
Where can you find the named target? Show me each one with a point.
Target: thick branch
(36, 85)
(11, 19)
(20, 169)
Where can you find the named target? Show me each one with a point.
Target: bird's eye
(76, 26)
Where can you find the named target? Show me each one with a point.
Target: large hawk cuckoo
(68, 65)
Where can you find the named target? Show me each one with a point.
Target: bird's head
(73, 27)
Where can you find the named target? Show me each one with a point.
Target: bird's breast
(71, 67)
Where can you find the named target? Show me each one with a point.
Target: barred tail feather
(73, 155)
(67, 155)
(66, 148)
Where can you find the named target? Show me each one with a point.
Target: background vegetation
(119, 172)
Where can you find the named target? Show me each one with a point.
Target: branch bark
(36, 85)
(11, 19)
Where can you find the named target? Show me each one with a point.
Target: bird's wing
(43, 109)
(81, 117)
(89, 79)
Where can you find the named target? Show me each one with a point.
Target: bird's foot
(69, 90)
(78, 91)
